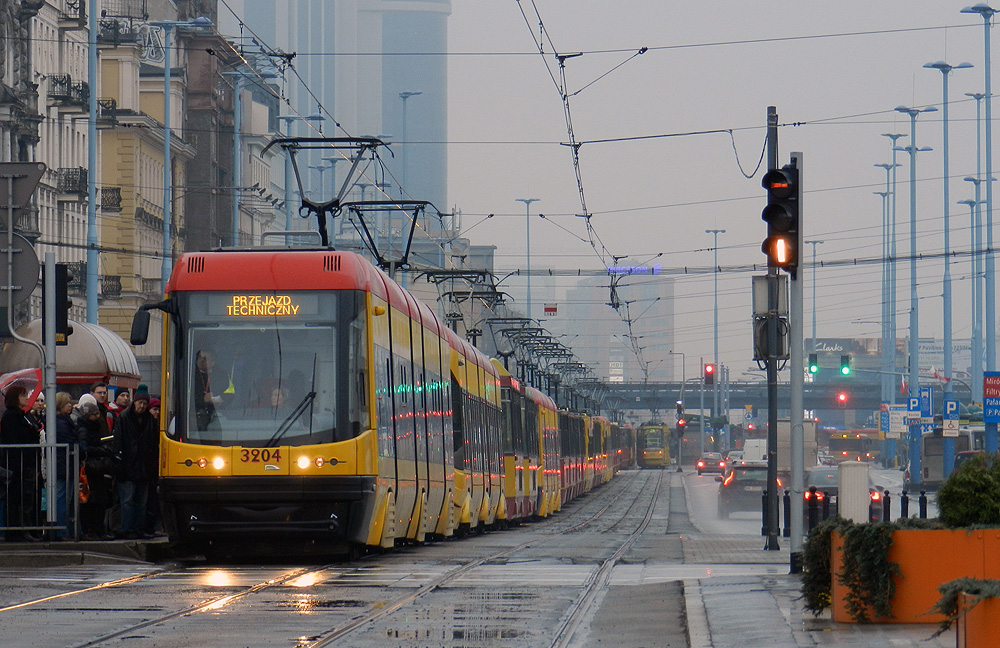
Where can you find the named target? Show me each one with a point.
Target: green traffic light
(846, 371)
(813, 363)
(845, 365)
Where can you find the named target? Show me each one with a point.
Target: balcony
(115, 31)
(111, 286)
(78, 270)
(71, 184)
(68, 95)
(75, 16)
(107, 113)
(111, 199)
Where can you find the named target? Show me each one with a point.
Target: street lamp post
(977, 255)
(403, 148)
(914, 391)
(527, 248)
(92, 257)
(948, 455)
(886, 358)
(715, 313)
(893, 327)
(977, 316)
(987, 12)
(168, 26)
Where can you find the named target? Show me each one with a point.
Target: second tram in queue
(307, 397)
(653, 446)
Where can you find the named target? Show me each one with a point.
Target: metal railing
(63, 91)
(28, 490)
(111, 286)
(111, 199)
(72, 181)
(107, 111)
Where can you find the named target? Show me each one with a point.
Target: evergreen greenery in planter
(867, 571)
(970, 497)
(977, 588)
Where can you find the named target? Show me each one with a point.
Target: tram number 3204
(258, 455)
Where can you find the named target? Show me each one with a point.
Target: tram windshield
(269, 369)
(654, 437)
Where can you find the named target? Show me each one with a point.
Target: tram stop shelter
(93, 353)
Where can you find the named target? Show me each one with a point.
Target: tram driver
(206, 400)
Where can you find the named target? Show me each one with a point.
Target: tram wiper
(294, 416)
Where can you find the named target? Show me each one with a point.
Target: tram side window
(458, 421)
(383, 407)
(531, 446)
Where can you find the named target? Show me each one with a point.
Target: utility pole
(771, 362)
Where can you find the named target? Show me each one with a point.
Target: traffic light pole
(49, 378)
(771, 362)
(701, 406)
(796, 380)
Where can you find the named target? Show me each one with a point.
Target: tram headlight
(203, 462)
(218, 463)
(303, 462)
(320, 461)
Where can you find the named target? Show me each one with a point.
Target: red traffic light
(779, 183)
(709, 368)
(842, 399)
(681, 422)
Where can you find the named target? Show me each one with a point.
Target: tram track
(583, 604)
(375, 615)
(593, 509)
(599, 580)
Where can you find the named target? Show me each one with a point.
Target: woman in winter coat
(99, 463)
(25, 485)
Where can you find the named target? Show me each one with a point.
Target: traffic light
(813, 363)
(709, 374)
(782, 218)
(845, 365)
(62, 278)
(842, 399)
(680, 410)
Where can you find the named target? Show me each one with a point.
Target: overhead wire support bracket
(359, 147)
(361, 207)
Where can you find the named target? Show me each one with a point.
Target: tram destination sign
(991, 397)
(271, 305)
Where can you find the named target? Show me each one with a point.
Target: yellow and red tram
(308, 397)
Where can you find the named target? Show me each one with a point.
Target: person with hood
(135, 442)
(98, 464)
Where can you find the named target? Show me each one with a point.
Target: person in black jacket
(25, 485)
(98, 464)
(135, 442)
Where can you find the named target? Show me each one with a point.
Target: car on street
(734, 457)
(826, 480)
(965, 455)
(711, 462)
(742, 488)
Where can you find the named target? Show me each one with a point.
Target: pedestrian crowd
(116, 443)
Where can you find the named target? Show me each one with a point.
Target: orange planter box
(926, 559)
(980, 626)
